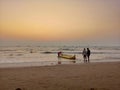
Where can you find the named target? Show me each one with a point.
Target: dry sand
(87, 76)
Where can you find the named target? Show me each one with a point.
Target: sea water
(45, 53)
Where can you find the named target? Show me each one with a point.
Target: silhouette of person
(84, 53)
(88, 54)
(59, 53)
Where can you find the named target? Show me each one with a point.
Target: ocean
(45, 53)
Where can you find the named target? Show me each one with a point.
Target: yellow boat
(67, 56)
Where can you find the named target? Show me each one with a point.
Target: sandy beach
(85, 76)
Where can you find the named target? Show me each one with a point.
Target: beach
(59, 44)
(84, 76)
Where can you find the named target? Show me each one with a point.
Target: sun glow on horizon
(59, 19)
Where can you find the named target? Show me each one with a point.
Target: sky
(54, 20)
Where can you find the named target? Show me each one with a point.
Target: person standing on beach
(84, 53)
(59, 54)
(88, 54)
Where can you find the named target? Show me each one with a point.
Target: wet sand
(85, 76)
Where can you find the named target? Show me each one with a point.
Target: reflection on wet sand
(65, 61)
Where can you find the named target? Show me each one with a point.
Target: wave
(78, 52)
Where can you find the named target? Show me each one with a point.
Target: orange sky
(49, 20)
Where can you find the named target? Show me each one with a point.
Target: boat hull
(67, 56)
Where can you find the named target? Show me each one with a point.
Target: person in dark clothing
(88, 54)
(59, 53)
(84, 53)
